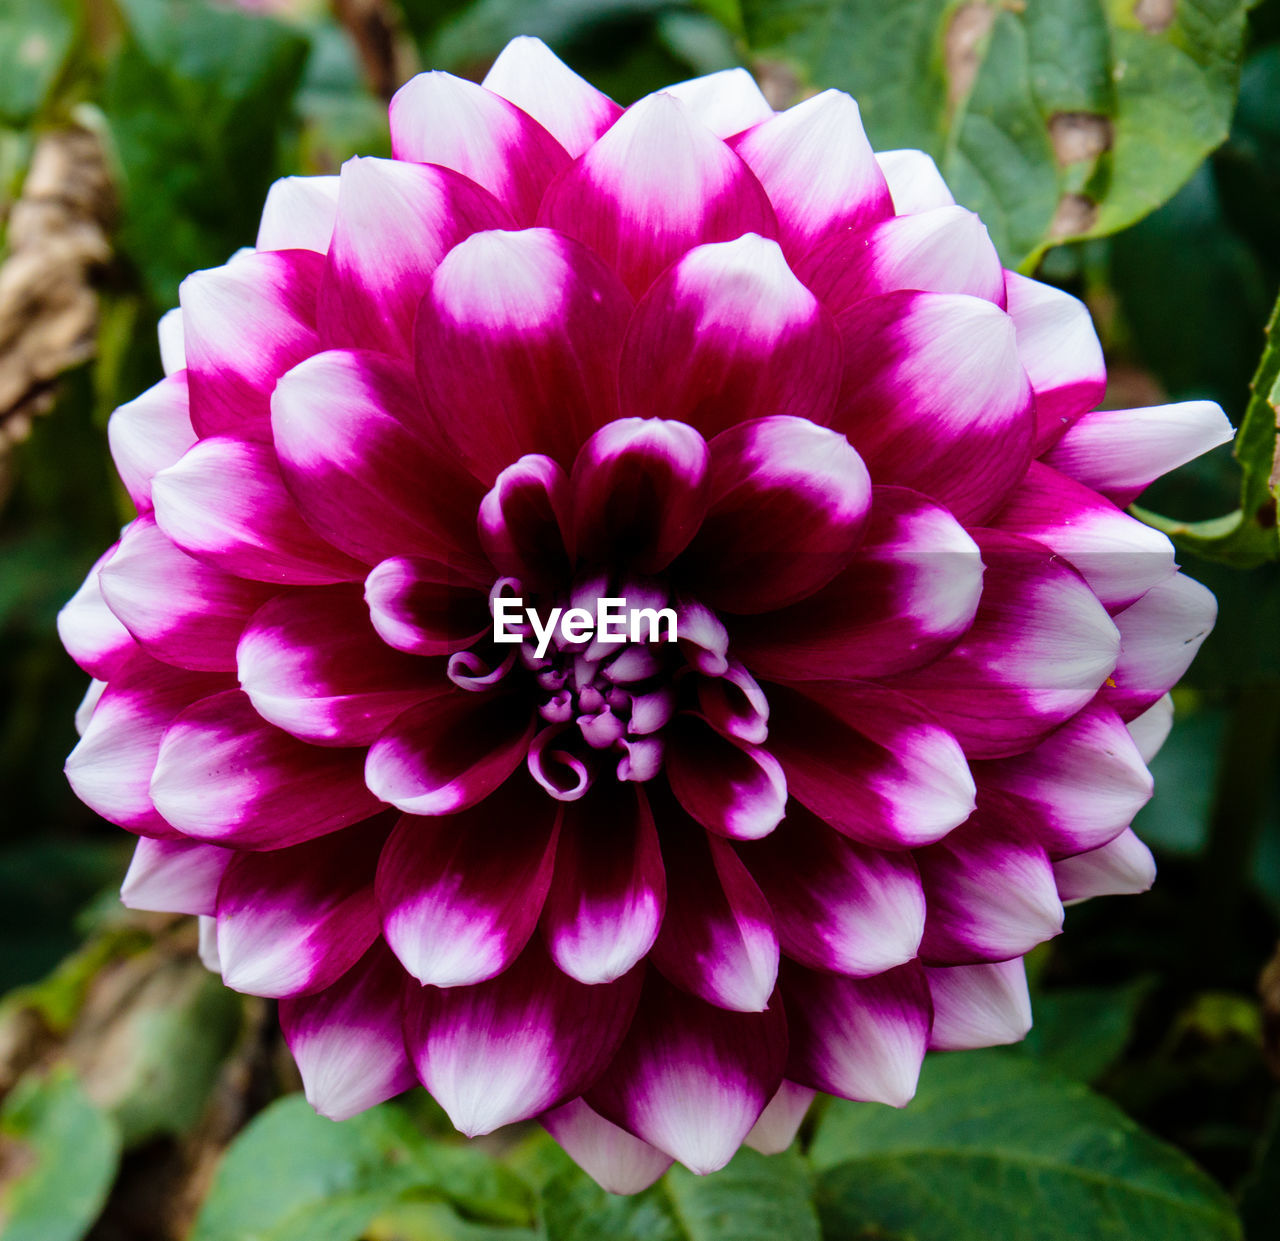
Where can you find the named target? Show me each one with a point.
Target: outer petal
(728, 334)
(1079, 788)
(1120, 452)
(437, 118)
(522, 520)
(295, 920)
(839, 906)
(173, 352)
(859, 1038)
(692, 1079)
(449, 753)
(110, 770)
(420, 606)
(347, 1039)
(816, 164)
(789, 502)
(935, 397)
(312, 664)
(461, 895)
(1121, 868)
(225, 503)
(90, 631)
(780, 1121)
(990, 892)
(910, 591)
(655, 185)
(174, 876)
(726, 102)
(979, 1005)
(181, 610)
(395, 222)
(613, 1158)
(1151, 729)
(1060, 352)
(1159, 637)
(367, 469)
(1039, 649)
(517, 347)
(869, 762)
(299, 214)
(718, 939)
(946, 250)
(640, 490)
(245, 324)
(148, 434)
(609, 891)
(914, 181)
(530, 75)
(226, 776)
(515, 1046)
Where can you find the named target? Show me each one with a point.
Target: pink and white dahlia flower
(695, 357)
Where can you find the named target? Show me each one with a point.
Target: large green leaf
(754, 1198)
(1057, 119)
(59, 1155)
(35, 37)
(994, 1146)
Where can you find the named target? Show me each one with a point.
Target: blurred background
(137, 140)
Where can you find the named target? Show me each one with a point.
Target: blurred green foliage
(1141, 1105)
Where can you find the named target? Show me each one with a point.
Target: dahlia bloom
(699, 357)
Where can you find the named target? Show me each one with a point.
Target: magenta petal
(612, 1157)
(935, 397)
(312, 664)
(225, 503)
(979, 1005)
(174, 876)
(420, 606)
(731, 788)
(299, 214)
(817, 166)
(1040, 648)
(517, 347)
(909, 592)
(1122, 867)
(839, 906)
(640, 488)
(461, 894)
(395, 222)
(111, 768)
(449, 753)
(1159, 637)
(789, 502)
(244, 325)
(530, 75)
(522, 521)
(609, 891)
(148, 434)
(859, 1038)
(347, 1039)
(690, 1078)
(1077, 789)
(515, 1046)
(942, 251)
(437, 118)
(1060, 353)
(728, 334)
(366, 467)
(718, 940)
(781, 1119)
(295, 920)
(990, 891)
(871, 763)
(656, 184)
(733, 704)
(90, 631)
(226, 776)
(181, 610)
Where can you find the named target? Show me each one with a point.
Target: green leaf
(59, 1155)
(754, 1198)
(993, 1146)
(1081, 1031)
(294, 1176)
(1056, 120)
(35, 37)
